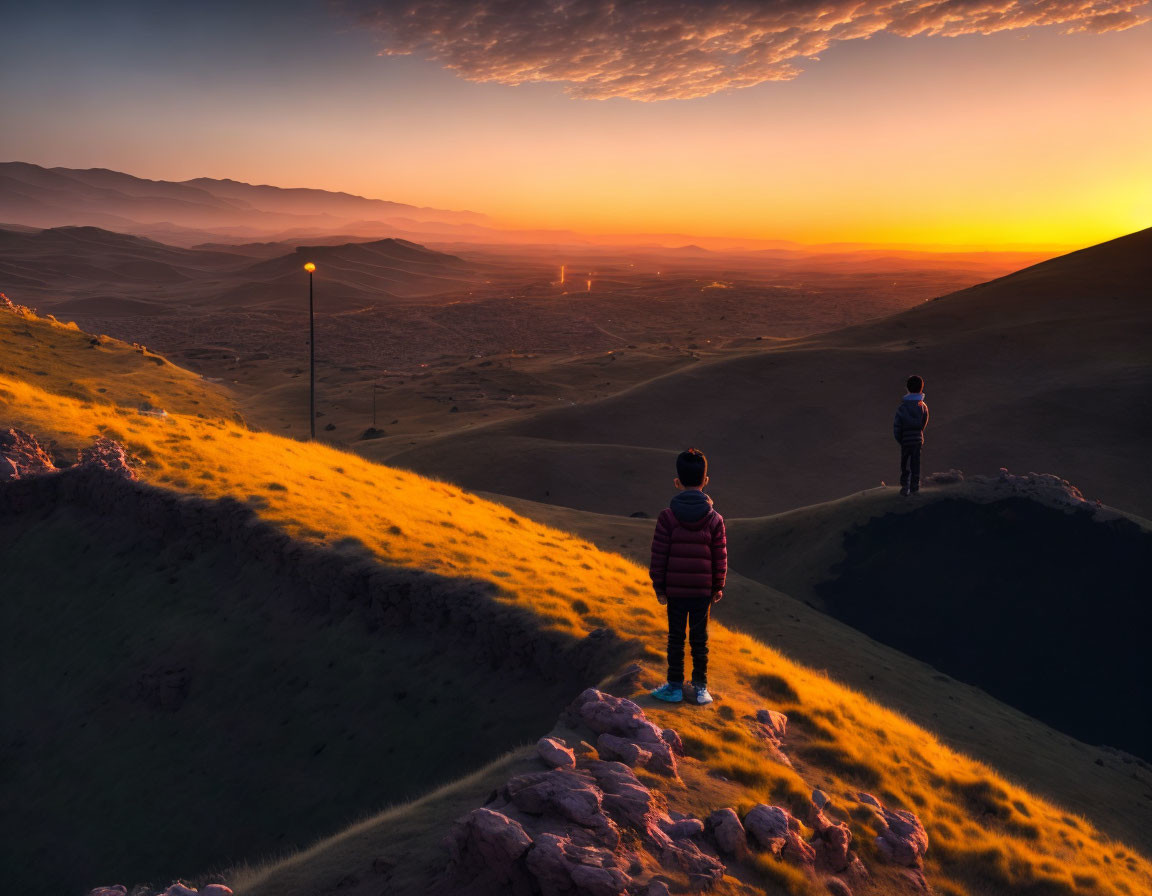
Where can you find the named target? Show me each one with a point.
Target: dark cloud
(659, 50)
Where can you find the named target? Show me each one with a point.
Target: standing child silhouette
(689, 566)
(908, 429)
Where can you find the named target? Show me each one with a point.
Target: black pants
(693, 612)
(910, 467)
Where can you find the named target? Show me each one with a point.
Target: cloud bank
(659, 50)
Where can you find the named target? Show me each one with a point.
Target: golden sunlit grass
(987, 834)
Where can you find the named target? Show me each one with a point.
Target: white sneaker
(702, 695)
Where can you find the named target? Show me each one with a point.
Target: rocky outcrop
(109, 456)
(21, 456)
(593, 829)
(728, 833)
(177, 889)
(902, 838)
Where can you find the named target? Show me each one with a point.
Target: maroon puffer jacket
(689, 548)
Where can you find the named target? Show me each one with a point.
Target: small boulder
(215, 890)
(485, 848)
(610, 747)
(558, 792)
(672, 738)
(684, 829)
(728, 832)
(179, 889)
(775, 722)
(110, 456)
(904, 840)
(555, 754)
(606, 714)
(833, 847)
(114, 890)
(657, 888)
(774, 830)
(562, 866)
(662, 761)
(837, 887)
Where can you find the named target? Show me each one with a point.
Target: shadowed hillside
(1044, 369)
(179, 661)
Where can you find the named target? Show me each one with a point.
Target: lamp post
(309, 267)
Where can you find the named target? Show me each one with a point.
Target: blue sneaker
(669, 693)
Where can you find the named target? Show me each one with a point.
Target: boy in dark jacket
(689, 565)
(908, 429)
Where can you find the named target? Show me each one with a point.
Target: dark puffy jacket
(689, 548)
(911, 418)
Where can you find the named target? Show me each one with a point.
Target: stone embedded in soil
(685, 829)
(555, 754)
(774, 830)
(728, 832)
(775, 722)
(902, 839)
(837, 887)
(114, 890)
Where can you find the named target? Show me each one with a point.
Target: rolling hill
(1045, 369)
(310, 502)
(91, 271)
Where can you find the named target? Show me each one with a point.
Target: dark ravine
(205, 689)
(1000, 595)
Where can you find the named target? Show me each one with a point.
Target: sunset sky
(956, 122)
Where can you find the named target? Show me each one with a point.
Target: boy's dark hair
(915, 384)
(691, 468)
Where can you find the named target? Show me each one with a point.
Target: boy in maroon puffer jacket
(689, 565)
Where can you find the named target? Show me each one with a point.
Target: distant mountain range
(203, 209)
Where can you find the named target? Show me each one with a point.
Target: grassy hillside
(988, 835)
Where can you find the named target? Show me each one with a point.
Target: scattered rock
(215, 890)
(725, 827)
(116, 889)
(179, 889)
(837, 887)
(820, 800)
(21, 455)
(108, 455)
(775, 722)
(657, 888)
(685, 829)
(833, 846)
(902, 838)
(774, 830)
(945, 478)
(555, 754)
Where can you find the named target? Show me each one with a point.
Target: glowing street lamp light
(309, 267)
